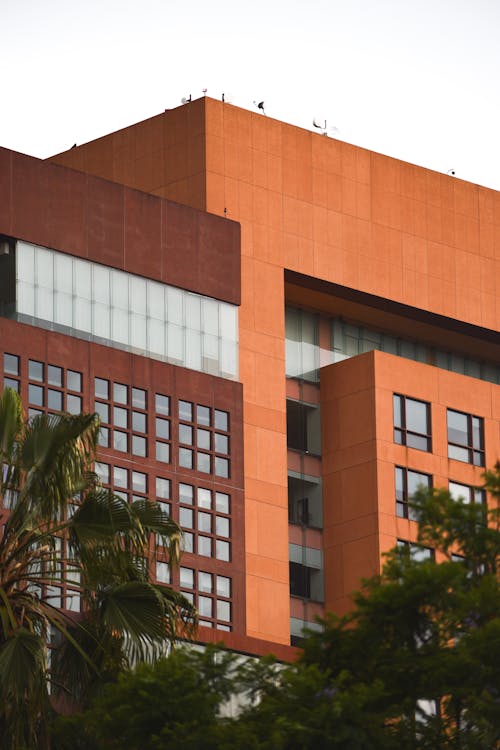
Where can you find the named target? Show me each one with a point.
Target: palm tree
(60, 530)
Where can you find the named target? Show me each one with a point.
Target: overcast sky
(414, 79)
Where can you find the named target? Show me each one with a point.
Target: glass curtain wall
(119, 309)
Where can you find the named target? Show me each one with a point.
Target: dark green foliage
(46, 463)
(421, 632)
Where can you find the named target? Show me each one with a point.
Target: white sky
(414, 79)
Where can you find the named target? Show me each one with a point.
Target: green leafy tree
(175, 703)
(417, 662)
(415, 665)
(59, 527)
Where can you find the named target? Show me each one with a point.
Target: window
(416, 551)
(303, 427)
(407, 483)
(465, 438)
(467, 494)
(412, 423)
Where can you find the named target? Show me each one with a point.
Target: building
(340, 351)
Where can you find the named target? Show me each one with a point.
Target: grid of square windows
(50, 387)
(211, 595)
(204, 441)
(124, 416)
(205, 518)
(128, 484)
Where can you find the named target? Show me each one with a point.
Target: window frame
(407, 499)
(403, 431)
(471, 447)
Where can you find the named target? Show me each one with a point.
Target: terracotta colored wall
(360, 456)
(324, 208)
(124, 228)
(164, 155)
(93, 360)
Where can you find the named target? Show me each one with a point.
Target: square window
(73, 404)
(186, 411)
(165, 508)
(204, 498)
(120, 393)
(102, 471)
(120, 477)
(222, 550)
(101, 388)
(223, 611)
(185, 493)
(412, 423)
(185, 434)
(35, 370)
(203, 415)
(186, 518)
(54, 400)
(185, 458)
(186, 578)
(11, 364)
(205, 522)
(162, 428)
(120, 441)
(74, 381)
(34, 413)
(222, 526)
(120, 417)
(205, 606)
(139, 399)
(139, 482)
(10, 383)
(139, 423)
(139, 446)
(203, 439)
(222, 503)
(221, 443)
(221, 467)
(205, 582)
(203, 462)
(162, 572)
(205, 546)
(162, 404)
(73, 601)
(54, 375)
(103, 411)
(35, 395)
(162, 487)
(53, 596)
(187, 542)
(163, 452)
(103, 439)
(223, 586)
(221, 420)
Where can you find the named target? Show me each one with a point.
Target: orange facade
(340, 231)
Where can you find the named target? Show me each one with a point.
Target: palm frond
(54, 456)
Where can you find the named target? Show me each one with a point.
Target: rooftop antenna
(204, 91)
(260, 105)
(186, 99)
(451, 172)
(322, 125)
